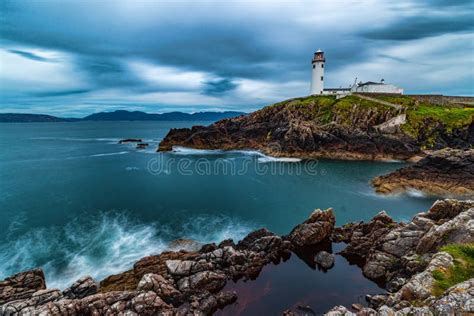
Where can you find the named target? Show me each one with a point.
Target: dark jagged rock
(22, 285)
(162, 287)
(142, 145)
(130, 140)
(315, 229)
(192, 282)
(172, 282)
(444, 172)
(81, 288)
(323, 126)
(304, 127)
(324, 259)
(391, 250)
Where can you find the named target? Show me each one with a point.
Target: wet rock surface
(324, 259)
(404, 257)
(192, 282)
(444, 172)
(21, 285)
(81, 288)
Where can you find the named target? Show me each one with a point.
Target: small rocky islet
(413, 260)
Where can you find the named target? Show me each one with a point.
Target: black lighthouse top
(318, 56)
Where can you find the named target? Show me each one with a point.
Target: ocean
(75, 202)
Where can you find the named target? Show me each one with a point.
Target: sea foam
(262, 158)
(106, 244)
(110, 154)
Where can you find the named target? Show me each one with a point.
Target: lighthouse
(317, 77)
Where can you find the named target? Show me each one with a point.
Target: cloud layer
(76, 57)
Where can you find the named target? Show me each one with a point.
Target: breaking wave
(110, 154)
(416, 193)
(79, 139)
(262, 158)
(105, 245)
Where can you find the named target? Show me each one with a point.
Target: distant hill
(122, 115)
(26, 118)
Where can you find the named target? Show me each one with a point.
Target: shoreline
(181, 282)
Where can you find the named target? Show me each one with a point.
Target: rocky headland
(354, 127)
(443, 173)
(414, 260)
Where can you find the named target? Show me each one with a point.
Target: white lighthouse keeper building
(317, 78)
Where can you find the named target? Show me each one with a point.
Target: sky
(73, 58)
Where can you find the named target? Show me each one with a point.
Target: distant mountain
(25, 118)
(122, 115)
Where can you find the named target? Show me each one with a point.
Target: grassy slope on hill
(423, 119)
(419, 113)
(326, 108)
(462, 270)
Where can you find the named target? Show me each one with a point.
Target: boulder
(315, 229)
(38, 298)
(21, 285)
(324, 259)
(203, 281)
(81, 288)
(457, 300)
(163, 288)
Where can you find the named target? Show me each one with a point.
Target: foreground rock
(321, 126)
(21, 285)
(458, 300)
(404, 256)
(444, 172)
(325, 259)
(393, 250)
(192, 282)
(179, 282)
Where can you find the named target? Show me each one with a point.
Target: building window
(314, 66)
(322, 65)
(322, 78)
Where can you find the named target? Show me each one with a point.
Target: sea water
(75, 202)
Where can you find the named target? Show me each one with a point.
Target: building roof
(370, 83)
(337, 89)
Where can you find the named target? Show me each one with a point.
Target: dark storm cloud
(218, 87)
(451, 3)
(106, 72)
(423, 26)
(30, 55)
(225, 42)
(61, 93)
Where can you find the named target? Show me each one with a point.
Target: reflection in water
(301, 285)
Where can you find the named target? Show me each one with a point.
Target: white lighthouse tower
(317, 78)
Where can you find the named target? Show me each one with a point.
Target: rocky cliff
(409, 258)
(353, 127)
(444, 172)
